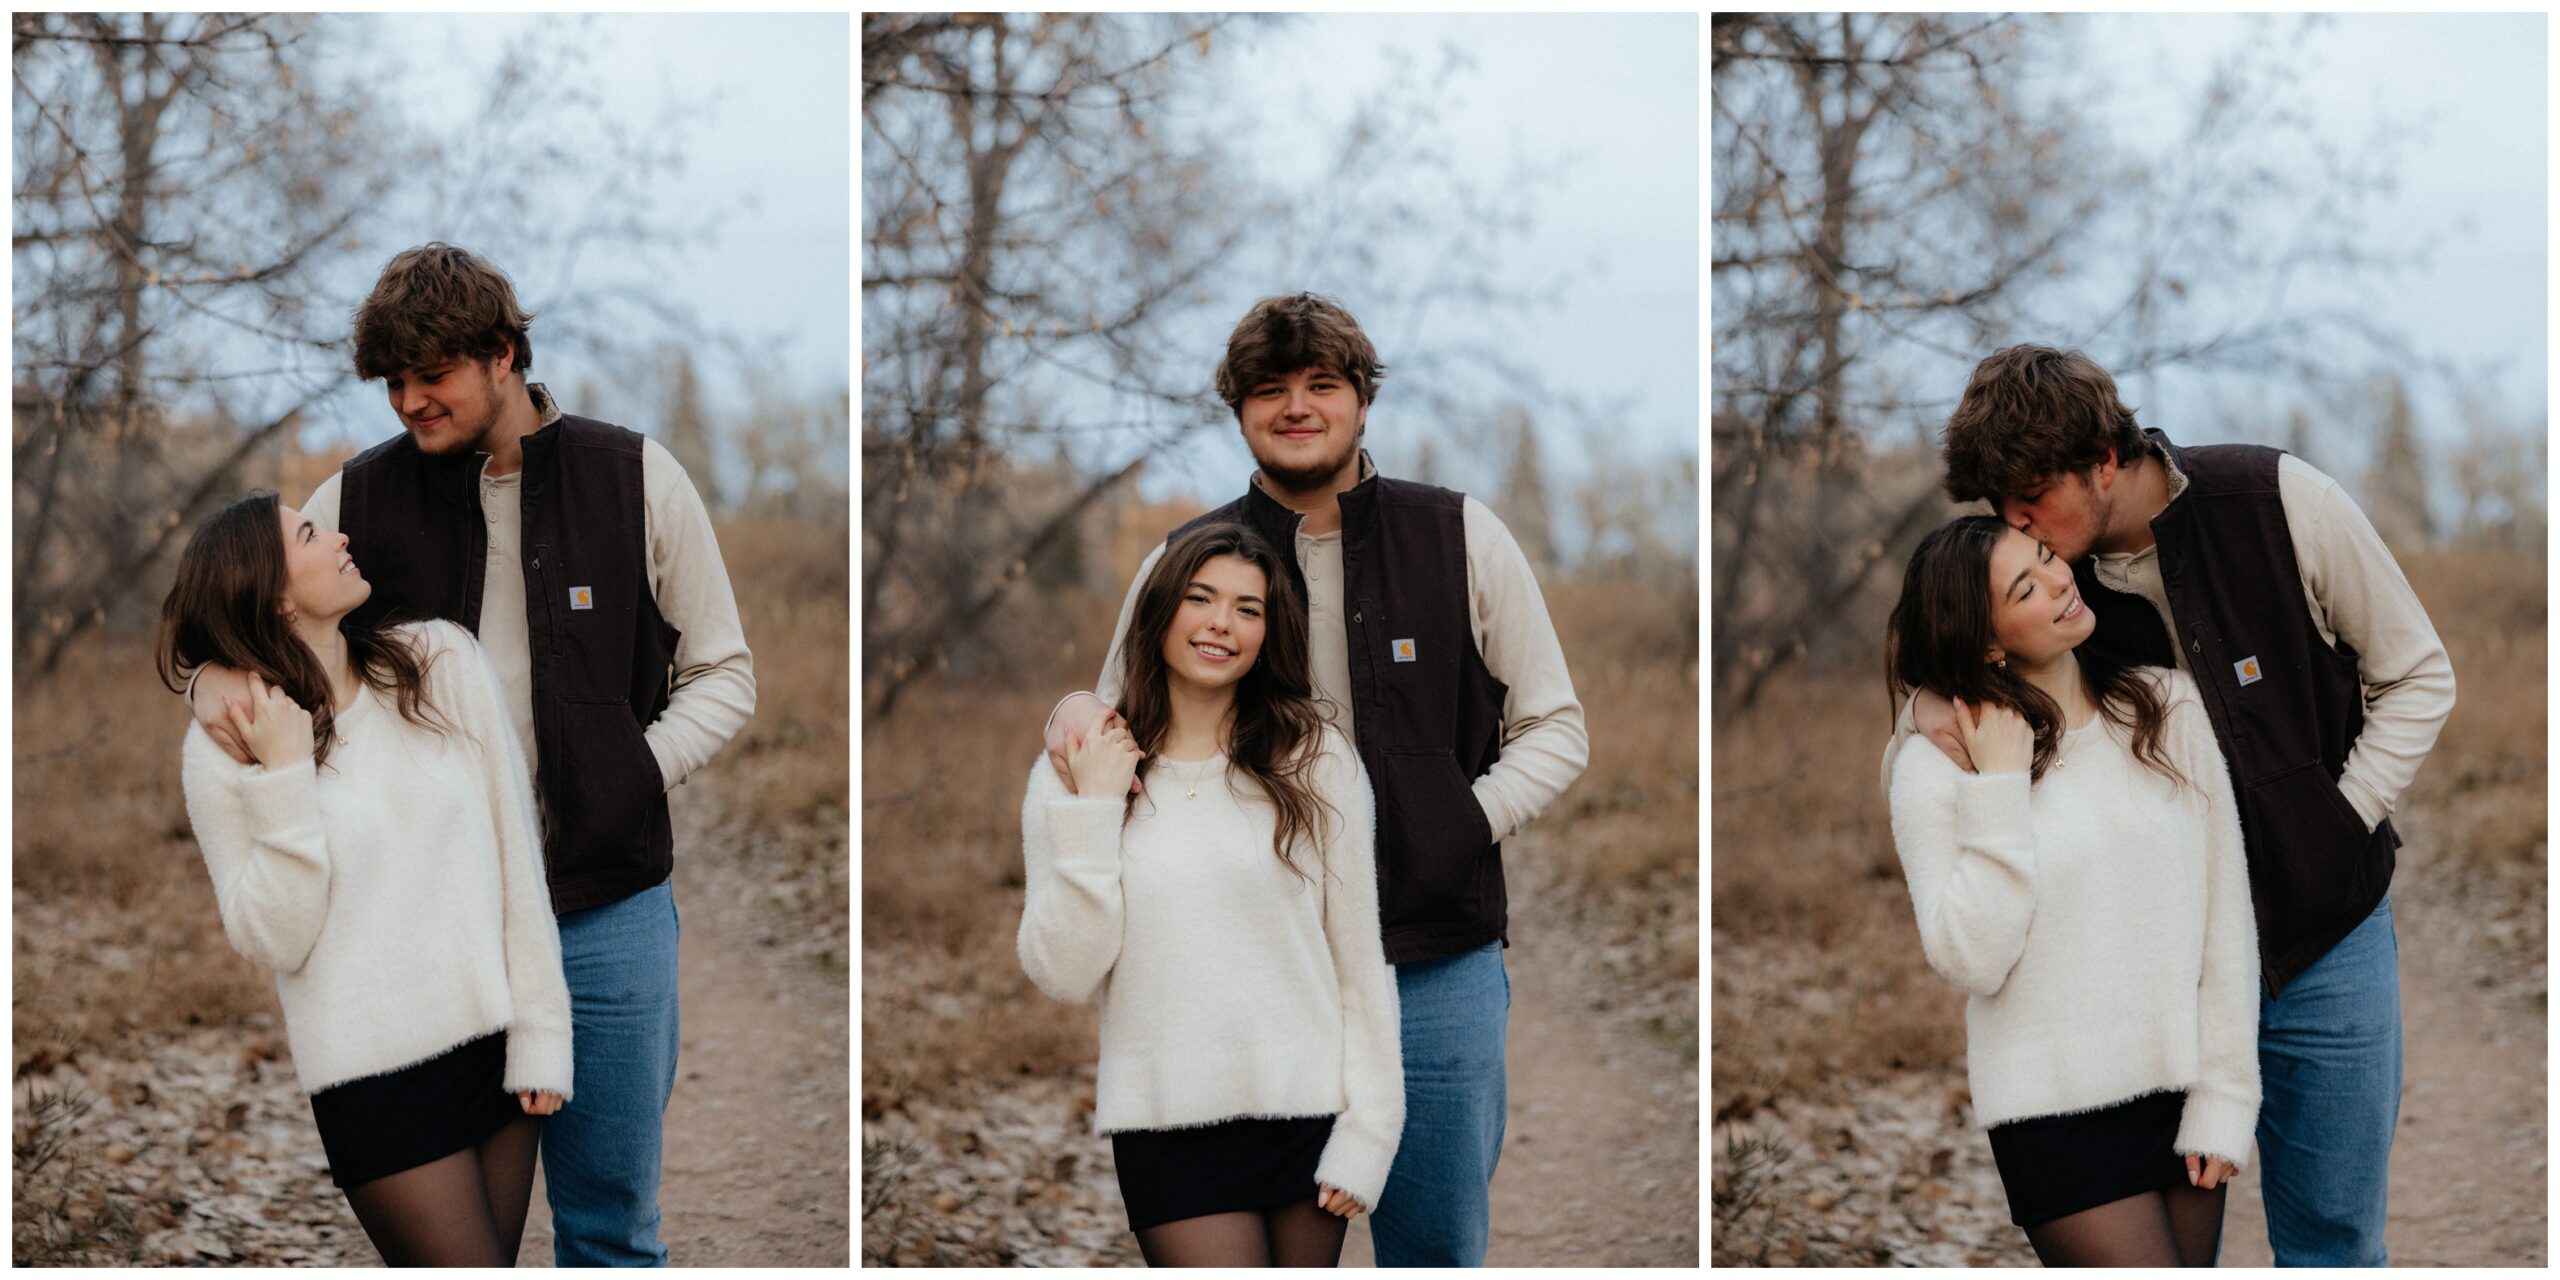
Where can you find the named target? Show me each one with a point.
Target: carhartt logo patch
(2248, 669)
(582, 597)
(1404, 651)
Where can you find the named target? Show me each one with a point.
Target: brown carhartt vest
(2286, 706)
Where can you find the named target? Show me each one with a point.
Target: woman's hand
(1995, 738)
(538, 1102)
(2214, 1173)
(1336, 1201)
(1106, 762)
(275, 727)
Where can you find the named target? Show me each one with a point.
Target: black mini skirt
(380, 1125)
(2055, 1166)
(1167, 1175)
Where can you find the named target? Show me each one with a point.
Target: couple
(475, 947)
(1277, 862)
(2174, 694)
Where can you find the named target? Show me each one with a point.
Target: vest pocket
(1433, 841)
(610, 786)
(2308, 849)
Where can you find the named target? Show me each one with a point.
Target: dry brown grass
(945, 1002)
(1818, 975)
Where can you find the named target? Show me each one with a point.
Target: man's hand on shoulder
(1934, 717)
(213, 684)
(1079, 717)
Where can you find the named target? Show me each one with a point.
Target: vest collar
(537, 443)
(1269, 511)
(2173, 460)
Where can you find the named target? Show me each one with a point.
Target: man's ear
(2104, 473)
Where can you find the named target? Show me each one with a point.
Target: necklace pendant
(1191, 792)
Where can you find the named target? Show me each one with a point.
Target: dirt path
(757, 1137)
(2468, 1167)
(1600, 1153)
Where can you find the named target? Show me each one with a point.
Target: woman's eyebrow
(1202, 586)
(2016, 582)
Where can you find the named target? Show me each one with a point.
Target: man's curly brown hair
(1284, 334)
(2031, 413)
(437, 302)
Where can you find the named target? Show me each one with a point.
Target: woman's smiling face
(1217, 629)
(2036, 611)
(320, 578)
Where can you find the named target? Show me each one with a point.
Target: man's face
(2068, 513)
(449, 404)
(1304, 428)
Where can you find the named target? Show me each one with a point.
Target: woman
(380, 856)
(1227, 914)
(2086, 886)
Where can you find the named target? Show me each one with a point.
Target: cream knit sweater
(398, 894)
(1230, 987)
(2101, 921)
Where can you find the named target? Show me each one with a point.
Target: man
(2326, 686)
(1433, 652)
(582, 557)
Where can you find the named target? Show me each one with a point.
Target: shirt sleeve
(1968, 851)
(1072, 904)
(1107, 685)
(1544, 743)
(1363, 1146)
(321, 508)
(538, 1041)
(260, 832)
(714, 690)
(2221, 1113)
(2364, 600)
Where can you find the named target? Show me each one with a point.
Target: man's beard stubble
(1311, 478)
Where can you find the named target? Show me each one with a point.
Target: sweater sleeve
(2222, 1109)
(260, 832)
(1363, 1146)
(538, 1041)
(1968, 852)
(1072, 906)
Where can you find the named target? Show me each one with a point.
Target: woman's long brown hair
(227, 607)
(1274, 730)
(1941, 629)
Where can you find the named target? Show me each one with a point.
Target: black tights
(2175, 1226)
(465, 1210)
(1297, 1234)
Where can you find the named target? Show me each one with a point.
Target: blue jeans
(600, 1153)
(2329, 1064)
(1437, 1208)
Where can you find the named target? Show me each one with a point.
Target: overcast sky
(1614, 98)
(2471, 181)
(771, 146)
